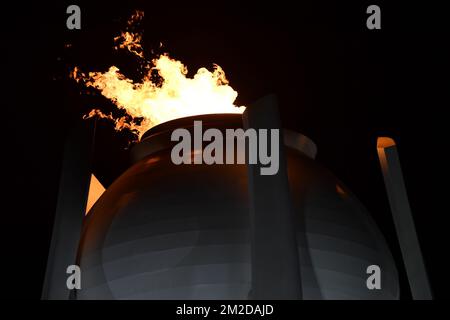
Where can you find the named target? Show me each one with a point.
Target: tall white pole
(403, 219)
(274, 249)
(70, 210)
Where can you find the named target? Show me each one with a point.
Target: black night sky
(337, 82)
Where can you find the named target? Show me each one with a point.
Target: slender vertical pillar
(403, 219)
(70, 210)
(275, 262)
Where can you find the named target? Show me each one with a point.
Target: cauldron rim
(158, 137)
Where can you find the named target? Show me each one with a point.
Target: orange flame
(131, 42)
(149, 103)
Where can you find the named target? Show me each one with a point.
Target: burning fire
(148, 103)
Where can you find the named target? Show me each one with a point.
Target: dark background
(337, 82)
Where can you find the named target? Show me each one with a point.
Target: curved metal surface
(162, 231)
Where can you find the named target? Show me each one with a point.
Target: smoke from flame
(148, 103)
